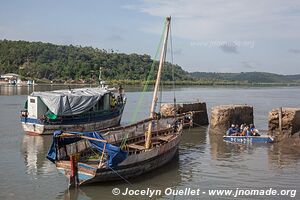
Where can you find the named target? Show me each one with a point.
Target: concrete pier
(224, 115)
(199, 110)
(284, 122)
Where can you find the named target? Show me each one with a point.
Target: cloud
(229, 47)
(295, 51)
(115, 38)
(223, 19)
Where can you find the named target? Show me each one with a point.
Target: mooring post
(74, 172)
(280, 120)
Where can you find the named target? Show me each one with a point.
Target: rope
(173, 73)
(149, 77)
(161, 85)
(160, 95)
(120, 176)
(198, 124)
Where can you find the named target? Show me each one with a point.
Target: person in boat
(237, 128)
(113, 101)
(244, 130)
(242, 127)
(121, 92)
(253, 130)
(248, 132)
(231, 130)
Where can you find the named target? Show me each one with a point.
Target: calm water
(204, 161)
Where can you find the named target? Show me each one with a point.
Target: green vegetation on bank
(64, 63)
(246, 77)
(45, 62)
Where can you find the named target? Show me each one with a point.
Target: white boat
(84, 109)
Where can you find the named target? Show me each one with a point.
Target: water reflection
(159, 179)
(15, 90)
(224, 150)
(284, 154)
(192, 148)
(204, 160)
(28, 89)
(279, 155)
(179, 170)
(34, 150)
(75, 194)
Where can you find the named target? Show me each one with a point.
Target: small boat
(83, 109)
(12, 82)
(248, 139)
(122, 152)
(92, 157)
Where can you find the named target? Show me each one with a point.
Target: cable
(150, 75)
(120, 176)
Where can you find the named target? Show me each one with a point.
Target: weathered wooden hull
(135, 169)
(248, 139)
(134, 165)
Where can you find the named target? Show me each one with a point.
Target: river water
(203, 162)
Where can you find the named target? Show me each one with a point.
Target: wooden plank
(81, 136)
(165, 137)
(135, 146)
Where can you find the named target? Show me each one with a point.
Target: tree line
(48, 61)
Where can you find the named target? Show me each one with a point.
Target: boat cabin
(65, 103)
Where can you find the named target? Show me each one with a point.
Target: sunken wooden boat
(121, 152)
(248, 139)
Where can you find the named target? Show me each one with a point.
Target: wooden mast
(154, 100)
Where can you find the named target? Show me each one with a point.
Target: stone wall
(224, 115)
(290, 123)
(200, 116)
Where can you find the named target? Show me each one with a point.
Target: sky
(207, 35)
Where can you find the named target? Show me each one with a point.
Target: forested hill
(49, 61)
(45, 61)
(248, 77)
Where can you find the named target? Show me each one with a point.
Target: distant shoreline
(169, 83)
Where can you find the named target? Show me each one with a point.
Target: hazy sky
(208, 35)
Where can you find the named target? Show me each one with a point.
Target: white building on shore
(10, 78)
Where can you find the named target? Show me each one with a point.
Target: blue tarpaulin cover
(116, 155)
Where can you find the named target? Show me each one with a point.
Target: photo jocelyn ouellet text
(237, 192)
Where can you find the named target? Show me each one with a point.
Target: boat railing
(88, 116)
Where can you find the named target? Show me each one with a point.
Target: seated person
(231, 130)
(254, 131)
(244, 131)
(242, 127)
(237, 128)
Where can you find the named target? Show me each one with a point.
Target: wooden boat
(83, 109)
(248, 139)
(121, 152)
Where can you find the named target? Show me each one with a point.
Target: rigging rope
(120, 175)
(173, 73)
(149, 77)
